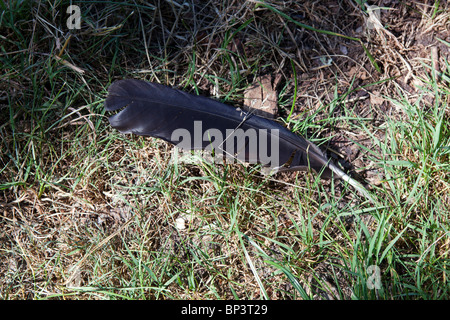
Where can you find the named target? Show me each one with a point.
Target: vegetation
(88, 213)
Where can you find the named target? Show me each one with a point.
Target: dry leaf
(262, 97)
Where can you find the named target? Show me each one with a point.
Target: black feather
(155, 110)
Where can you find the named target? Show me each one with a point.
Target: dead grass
(89, 214)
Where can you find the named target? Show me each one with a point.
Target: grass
(87, 213)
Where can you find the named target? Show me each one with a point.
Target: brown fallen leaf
(262, 98)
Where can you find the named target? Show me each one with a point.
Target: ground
(88, 213)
